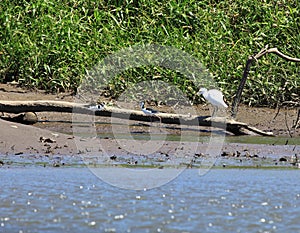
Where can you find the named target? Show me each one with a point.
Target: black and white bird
(97, 107)
(149, 111)
(215, 97)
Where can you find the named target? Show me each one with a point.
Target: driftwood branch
(249, 62)
(237, 128)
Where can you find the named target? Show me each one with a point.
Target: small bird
(148, 111)
(97, 107)
(215, 97)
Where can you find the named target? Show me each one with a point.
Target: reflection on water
(74, 200)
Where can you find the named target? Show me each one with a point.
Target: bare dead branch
(285, 57)
(249, 62)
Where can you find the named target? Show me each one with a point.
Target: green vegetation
(48, 44)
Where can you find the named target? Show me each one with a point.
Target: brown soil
(52, 135)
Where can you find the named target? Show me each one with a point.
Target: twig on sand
(287, 126)
(297, 122)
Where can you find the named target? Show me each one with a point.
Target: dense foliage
(49, 44)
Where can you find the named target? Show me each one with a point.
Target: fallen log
(230, 125)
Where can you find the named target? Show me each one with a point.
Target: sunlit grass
(50, 45)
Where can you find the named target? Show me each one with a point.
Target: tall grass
(51, 45)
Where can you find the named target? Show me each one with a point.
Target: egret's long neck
(205, 94)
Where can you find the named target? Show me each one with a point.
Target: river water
(48, 199)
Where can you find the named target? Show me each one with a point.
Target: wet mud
(51, 141)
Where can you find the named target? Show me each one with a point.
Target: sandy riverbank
(50, 141)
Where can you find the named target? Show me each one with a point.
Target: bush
(51, 45)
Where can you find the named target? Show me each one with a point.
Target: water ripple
(74, 200)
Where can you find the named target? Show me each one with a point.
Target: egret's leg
(159, 119)
(214, 112)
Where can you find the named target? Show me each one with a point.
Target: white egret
(215, 97)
